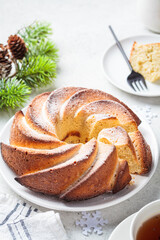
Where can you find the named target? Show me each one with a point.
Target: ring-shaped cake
(76, 143)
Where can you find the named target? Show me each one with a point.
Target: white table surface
(81, 34)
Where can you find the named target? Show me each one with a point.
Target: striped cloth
(20, 221)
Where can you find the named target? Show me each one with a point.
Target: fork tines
(138, 85)
(137, 81)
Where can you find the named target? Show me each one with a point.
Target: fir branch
(37, 71)
(13, 93)
(44, 48)
(37, 68)
(35, 32)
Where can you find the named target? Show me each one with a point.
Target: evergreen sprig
(35, 32)
(37, 71)
(13, 93)
(45, 47)
(37, 68)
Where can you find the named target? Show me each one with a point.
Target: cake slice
(123, 176)
(125, 149)
(145, 59)
(96, 122)
(77, 101)
(102, 177)
(143, 151)
(56, 100)
(35, 115)
(55, 180)
(26, 160)
(23, 136)
(85, 96)
(130, 147)
(108, 107)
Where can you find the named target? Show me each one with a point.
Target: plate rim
(30, 197)
(110, 79)
(130, 217)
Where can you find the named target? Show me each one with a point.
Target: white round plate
(122, 231)
(116, 69)
(102, 201)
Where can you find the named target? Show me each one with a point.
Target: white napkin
(20, 221)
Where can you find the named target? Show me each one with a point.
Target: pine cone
(5, 62)
(17, 46)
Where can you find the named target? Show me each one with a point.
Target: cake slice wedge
(23, 136)
(110, 108)
(26, 160)
(143, 151)
(125, 149)
(35, 115)
(131, 147)
(54, 180)
(145, 59)
(102, 177)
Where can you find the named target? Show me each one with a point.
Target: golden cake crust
(26, 160)
(125, 148)
(99, 179)
(34, 116)
(55, 180)
(143, 152)
(23, 136)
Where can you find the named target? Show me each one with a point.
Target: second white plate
(116, 69)
(122, 231)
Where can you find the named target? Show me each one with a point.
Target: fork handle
(121, 48)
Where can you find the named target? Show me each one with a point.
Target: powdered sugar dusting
(63, 108)
(36, 134)
(45, 119)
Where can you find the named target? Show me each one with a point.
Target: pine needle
(37, 71)
(13, 93)
(36, 32)
(37, 68)
(45, 47)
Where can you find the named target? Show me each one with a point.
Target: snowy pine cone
(5, 62)
(17, 46)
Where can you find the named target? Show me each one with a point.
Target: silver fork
(135, 80)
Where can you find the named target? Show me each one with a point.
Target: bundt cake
(76, 143)
(145, 59)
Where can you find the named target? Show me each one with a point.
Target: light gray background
(82, 36)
